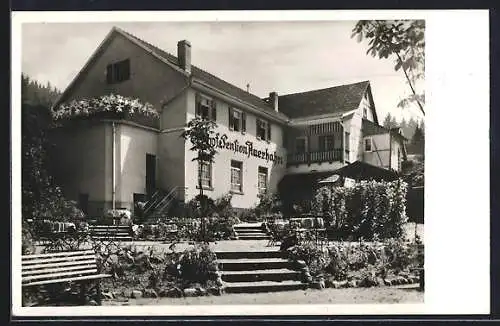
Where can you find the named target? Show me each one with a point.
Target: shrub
(338, 266)
(196, 263)
(398, 255)
(368, 279)
(369, 210)
(28, 245)
(219, 228)
(315, 257)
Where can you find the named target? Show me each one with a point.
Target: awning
(357, 170)
(363, 171)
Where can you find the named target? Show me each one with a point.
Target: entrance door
(83, 202)
(150, 173)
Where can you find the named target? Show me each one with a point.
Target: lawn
(400, 294)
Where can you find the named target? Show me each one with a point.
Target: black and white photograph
(223, 163)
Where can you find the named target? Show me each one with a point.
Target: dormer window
(118, 72)
(206, 108)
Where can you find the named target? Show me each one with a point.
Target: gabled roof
(210, 79)
(196, 74)
(338, 99)
(371, 128)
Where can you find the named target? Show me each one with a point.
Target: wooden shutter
(243, 122)
(268, 131)
(214, 111)
(231, 122)
(109, 74)
(198, 102)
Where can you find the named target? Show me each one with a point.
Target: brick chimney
(184, 55)
(273, 100)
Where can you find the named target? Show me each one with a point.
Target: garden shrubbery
(370, 210)
(367, 263)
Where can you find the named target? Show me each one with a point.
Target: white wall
(133, 143)
(221, 168)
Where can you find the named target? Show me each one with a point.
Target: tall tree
(403, 40)
(41, 197)
(418, 142)
(199, 132)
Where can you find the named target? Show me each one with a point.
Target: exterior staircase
(258, 271)
(161, 202)
(250, 231)
(110, 232)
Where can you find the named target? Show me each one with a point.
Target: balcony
(315, 157)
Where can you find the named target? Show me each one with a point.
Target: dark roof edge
(322, 89)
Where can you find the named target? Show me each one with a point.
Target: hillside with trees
(41, 197)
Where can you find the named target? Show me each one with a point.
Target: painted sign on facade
(247, 148)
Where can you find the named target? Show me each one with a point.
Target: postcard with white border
(250, 163)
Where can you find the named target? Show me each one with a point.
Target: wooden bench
(69, 266)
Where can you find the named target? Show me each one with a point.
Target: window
(206, 108)
(365, 112)
(118, 72)
(205, 174)
(262, 180)
(326, 143)
(300, 145)
(236, 176)
(263, 130)
(368, 144)
(237, 120)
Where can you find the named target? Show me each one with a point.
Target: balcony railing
(315, 157)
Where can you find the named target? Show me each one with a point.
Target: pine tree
(417, 145)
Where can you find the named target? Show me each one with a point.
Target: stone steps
(110, 232)
(253, 264)
(264, 286)
(250, 232)
(258, 271)
(249, 254)
(262, 236)
(274, 275)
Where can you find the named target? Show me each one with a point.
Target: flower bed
(357, 264)
(187, 229)
(153, 273)
(109, 107)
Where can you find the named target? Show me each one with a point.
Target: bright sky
(286, 57)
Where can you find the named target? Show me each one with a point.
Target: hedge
(369, 210)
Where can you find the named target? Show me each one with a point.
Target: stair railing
(165, 201)
(152, 201)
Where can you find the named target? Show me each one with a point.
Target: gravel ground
(401, 294)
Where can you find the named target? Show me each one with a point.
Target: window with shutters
(262, 180)
(263, 130)
(237, 176)
(205, 174)
(118, 72)
(326, 143)
(206, 108)
(237, 120)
